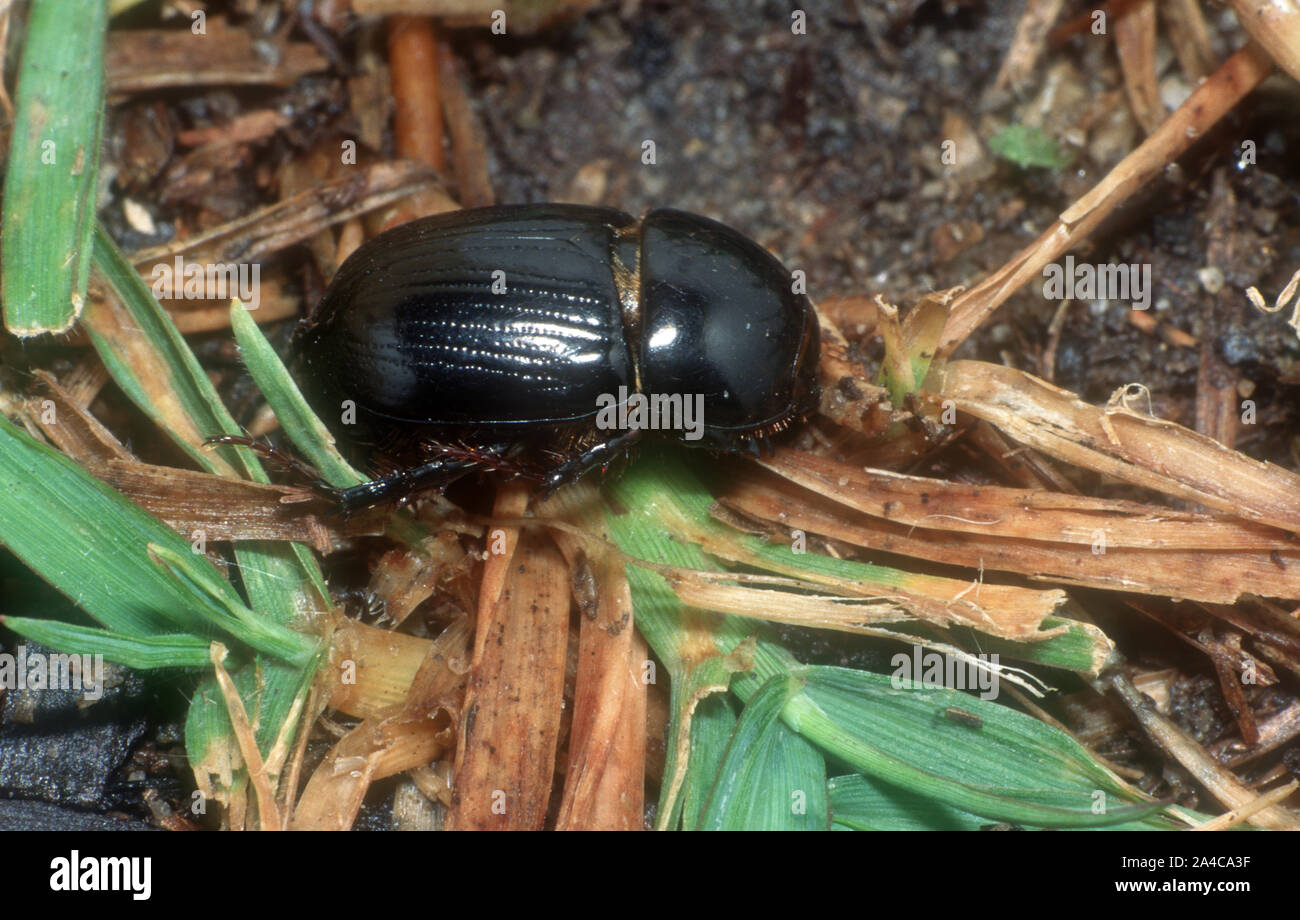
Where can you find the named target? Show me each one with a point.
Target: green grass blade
(88, 541)
(300, 424)
(673, 632)
(268, 689)
(284, 584)
(1021, 770)
(270, 572)
(141, 652)
(262, 633)
(1011, 768)
(770, 779)
(640, 519)
(712, 723)
(194, 410)
(697, 691)
(1082, 648)
(49, 196)
(860, 803)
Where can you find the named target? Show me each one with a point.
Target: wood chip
(138, 60)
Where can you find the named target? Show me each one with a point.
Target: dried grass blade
(604, 784)
(1192, 574)
(1030, 514)
(1148, 452)
(506, 758)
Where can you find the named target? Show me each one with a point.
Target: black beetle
(544, 339)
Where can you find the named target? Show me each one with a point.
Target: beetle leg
(601, 454)
(437, 473)
(367, 494)
(267, 451)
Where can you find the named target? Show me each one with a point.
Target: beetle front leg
(601, 454)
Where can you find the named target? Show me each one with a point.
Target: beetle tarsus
(598, 455)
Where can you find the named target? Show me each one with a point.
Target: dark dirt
(825, 146)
